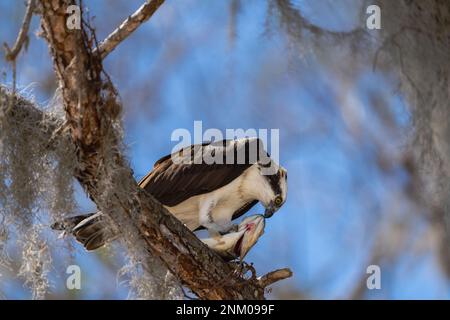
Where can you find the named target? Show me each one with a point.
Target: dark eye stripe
(274, 180)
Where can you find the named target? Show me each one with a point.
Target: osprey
(209, 185)
(237, 244)
(205, 186)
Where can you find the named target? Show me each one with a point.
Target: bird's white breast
(223, 202)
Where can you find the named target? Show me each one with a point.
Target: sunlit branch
(128, 26)
(11, 54)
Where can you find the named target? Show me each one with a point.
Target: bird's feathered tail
(92, 230)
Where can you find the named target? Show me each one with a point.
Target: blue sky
(182, 66)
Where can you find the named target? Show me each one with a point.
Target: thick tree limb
(87, 102)
(128, 26)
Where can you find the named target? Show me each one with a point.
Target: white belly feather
(220, 204)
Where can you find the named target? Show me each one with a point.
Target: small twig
(242, 268)
(11, 54)
(13, 96)
(252, 269)
(57, 134)
(128, 26)
(274, 276)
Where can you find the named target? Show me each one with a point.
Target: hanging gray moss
(37, 163)
(35, 182)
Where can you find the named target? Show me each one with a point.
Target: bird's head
(252, 228)
(275, 191)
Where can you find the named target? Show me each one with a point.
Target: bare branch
(274, 276)
(11, 54)
(128, 26)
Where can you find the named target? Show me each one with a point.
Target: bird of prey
(205, 186)
(237, 244)
(211, 195)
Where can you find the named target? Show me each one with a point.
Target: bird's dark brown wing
(238, 213)
(243, 210)
(184, 174)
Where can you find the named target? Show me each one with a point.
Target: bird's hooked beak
(270, 209)
(254, 229)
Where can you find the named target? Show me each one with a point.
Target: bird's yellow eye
(278, 201)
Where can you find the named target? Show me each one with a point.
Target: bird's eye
(278, 201)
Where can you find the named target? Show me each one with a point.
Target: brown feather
(172, 183)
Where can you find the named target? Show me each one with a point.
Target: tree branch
(128, 26)
(274, 276)
(11, 54)
(87, 102)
